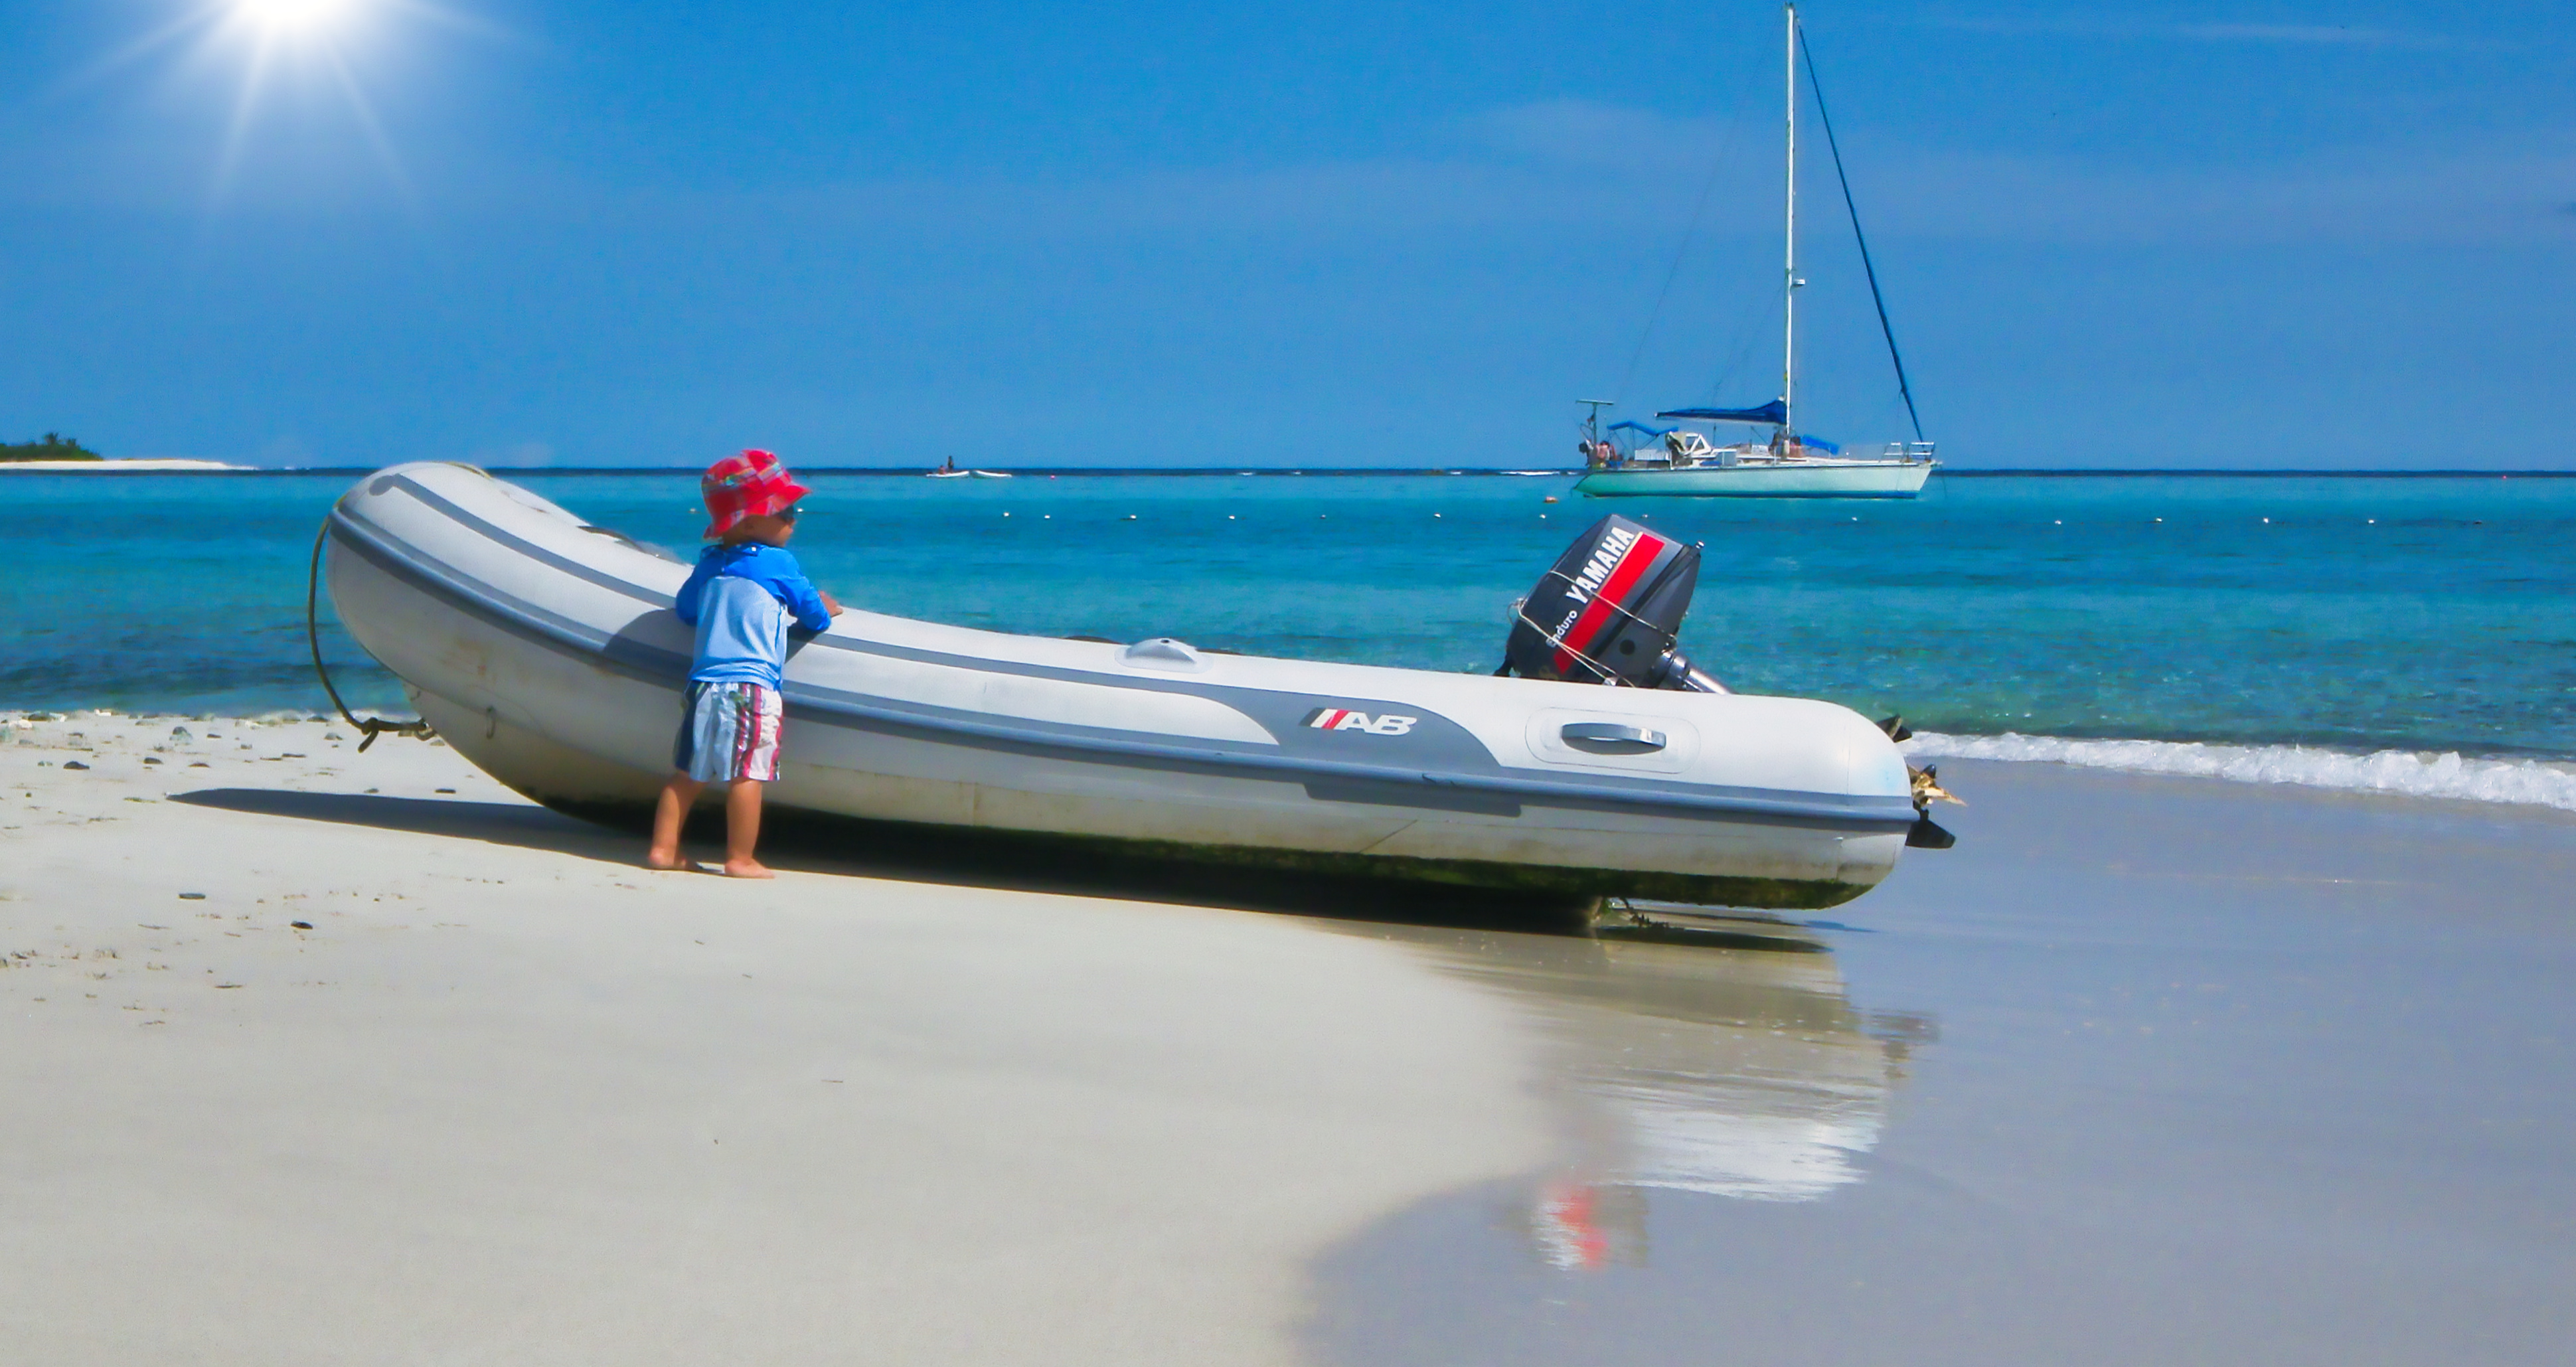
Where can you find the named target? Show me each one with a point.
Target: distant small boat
(952, 474)
(989, 474)
(1527, 473)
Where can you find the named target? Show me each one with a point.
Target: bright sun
(319, 44)
(290, 14)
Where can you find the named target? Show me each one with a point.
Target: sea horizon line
(1275, 471)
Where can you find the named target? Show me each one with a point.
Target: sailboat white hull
(1798, 479)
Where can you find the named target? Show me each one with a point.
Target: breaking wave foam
(2526, 782)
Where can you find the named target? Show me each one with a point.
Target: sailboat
(1682, 462)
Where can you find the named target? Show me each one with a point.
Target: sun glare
(279, 41)
(260, 47)
(291, 15)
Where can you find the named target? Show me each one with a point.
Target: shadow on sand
(808, 843)
(499, 823)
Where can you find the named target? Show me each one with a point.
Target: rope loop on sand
(371, 727)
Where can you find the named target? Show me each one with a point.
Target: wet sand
(2146, 1071)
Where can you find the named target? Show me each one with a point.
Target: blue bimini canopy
(1772, 412)
(1623, 425)
(1820, 444)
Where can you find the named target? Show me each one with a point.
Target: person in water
(745, 597)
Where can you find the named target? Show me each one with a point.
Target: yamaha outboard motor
(1608, 612)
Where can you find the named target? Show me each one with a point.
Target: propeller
(1925, 834)
(1927, 787)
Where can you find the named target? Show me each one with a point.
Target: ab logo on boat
(1343, 719)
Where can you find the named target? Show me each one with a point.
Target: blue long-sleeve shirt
(742, 597)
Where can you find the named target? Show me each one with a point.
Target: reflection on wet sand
(1731, 1064)
(2226, 1075)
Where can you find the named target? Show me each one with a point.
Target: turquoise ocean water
(2332, 617)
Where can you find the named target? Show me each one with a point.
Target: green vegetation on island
(52, 446)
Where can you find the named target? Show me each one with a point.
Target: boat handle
(1611, 738)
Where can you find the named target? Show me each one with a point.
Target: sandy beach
(166, 465)
(509, 1098)
(2147, 1070)
(1144, 481)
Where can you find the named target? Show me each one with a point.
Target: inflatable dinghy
(545, 650)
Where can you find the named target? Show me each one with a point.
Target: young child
(743, 597)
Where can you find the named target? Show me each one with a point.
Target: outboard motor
(1608, 611)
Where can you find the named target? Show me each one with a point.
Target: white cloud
(2121, 30)
(1567, 167)
(1583, 133)
(2369, 194)
(2313, 35)
(519, 454)
(1553, 168)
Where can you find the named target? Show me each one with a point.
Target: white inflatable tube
(545, 651)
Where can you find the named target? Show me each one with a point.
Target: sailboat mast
(1789, 294)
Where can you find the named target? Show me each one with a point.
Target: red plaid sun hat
(752, 484)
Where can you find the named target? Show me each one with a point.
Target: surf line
(2406, 773)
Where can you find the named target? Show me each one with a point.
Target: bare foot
(667, 863)
(747, 868)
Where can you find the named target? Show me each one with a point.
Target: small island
(52, 446)
(56, 454)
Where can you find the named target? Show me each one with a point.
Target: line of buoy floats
(1231, 517)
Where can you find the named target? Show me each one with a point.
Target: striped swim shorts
(728, 731)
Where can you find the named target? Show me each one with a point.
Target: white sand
(162, 465)
(513, 1100)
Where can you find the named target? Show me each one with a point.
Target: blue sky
(537, 231)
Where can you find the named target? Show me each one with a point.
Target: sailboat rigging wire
(1867, 268)
(1747, 338)
(1656, 313)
